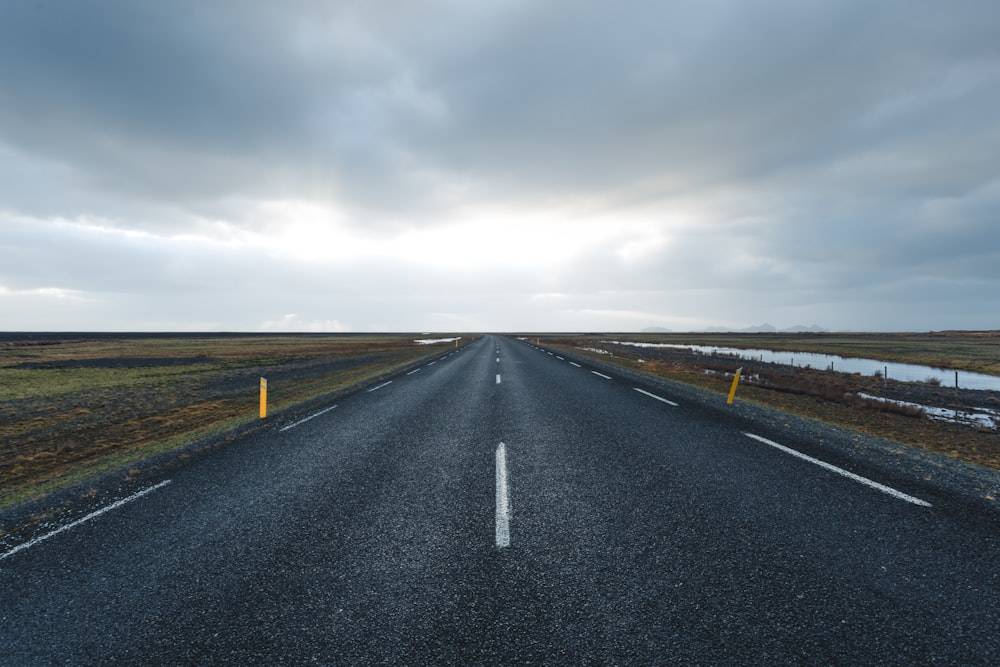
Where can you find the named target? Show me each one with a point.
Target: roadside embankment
(76, 407)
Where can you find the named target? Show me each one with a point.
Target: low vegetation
(75, 406)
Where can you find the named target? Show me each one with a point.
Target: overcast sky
(488, 165)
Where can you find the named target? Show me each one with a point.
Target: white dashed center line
(606, 377)
(380, 386)
(503, 500)
(498, 378)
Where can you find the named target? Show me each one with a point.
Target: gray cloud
(819, 162)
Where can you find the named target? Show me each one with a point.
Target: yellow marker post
(456, 342)
(263, 398)
(732, 390)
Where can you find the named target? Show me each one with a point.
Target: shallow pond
(896, 370)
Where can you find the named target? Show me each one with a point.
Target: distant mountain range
(760, 328)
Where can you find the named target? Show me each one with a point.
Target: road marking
(92, 515)
(840, 471)
(379, 387)
(573, 363)
(606, 377)
(498, 360)
(503, 500)
(498, 378)
(432, 363)
(303, 421)
(560, 358)
(659, 398)
(415, 370)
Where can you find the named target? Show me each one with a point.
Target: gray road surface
(612, 526)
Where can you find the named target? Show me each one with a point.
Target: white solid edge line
(606, 377)
(92, 515)
(659, 398)
(573, 363)
(503, 500)
(303, 421)
(840, 471)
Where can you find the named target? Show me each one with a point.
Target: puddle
(896, 370)
(985, 419)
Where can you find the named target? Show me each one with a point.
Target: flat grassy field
(76, 405)
(836, 398)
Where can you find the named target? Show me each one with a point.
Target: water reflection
(896, 370)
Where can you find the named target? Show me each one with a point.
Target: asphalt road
(504, 505)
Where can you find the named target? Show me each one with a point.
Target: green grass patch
(72, 409)
(22, 383)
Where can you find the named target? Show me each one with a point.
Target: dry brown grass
(73, 408)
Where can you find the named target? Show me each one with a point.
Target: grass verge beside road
(76, 406)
